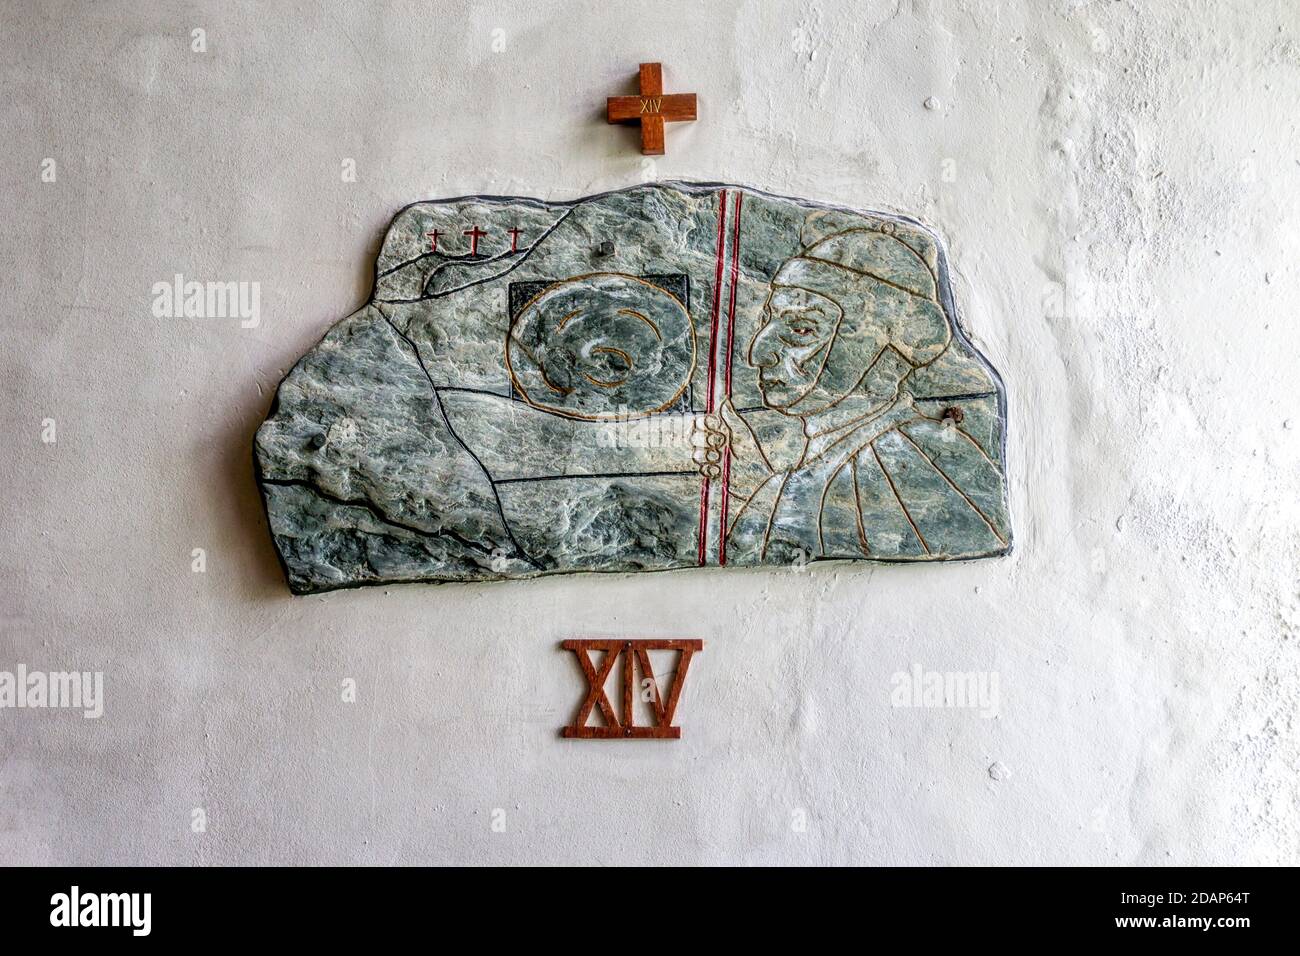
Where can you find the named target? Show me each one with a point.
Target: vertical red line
(713, 362)
(726, 375)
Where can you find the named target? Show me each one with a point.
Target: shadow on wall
(241, 508)
(261, 575)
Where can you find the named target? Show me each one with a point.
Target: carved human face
(790, 347)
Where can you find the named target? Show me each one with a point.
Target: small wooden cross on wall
(652, 108)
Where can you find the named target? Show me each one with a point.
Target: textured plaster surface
(1118, 185)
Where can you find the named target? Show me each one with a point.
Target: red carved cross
(514, 239)
(652, 108)
(634, 655)
(475, 234)
(433, 240)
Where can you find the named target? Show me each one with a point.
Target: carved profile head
(857, 310)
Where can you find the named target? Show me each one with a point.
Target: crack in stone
(376, 512)
(437, 401)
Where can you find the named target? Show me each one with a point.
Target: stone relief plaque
(670, 376)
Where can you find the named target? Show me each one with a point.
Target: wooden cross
(475, 235)
(652, 108)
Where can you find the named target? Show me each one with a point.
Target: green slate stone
(669, 376)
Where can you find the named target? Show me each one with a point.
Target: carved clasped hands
(714, 435)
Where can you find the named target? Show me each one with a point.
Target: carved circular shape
(601, 346)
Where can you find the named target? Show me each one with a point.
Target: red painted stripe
(726, 375)
(717, 295)
(713, 363)
(735, 274)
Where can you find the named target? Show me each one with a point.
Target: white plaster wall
(1119, 184)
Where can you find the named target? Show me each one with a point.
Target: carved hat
(889, 298)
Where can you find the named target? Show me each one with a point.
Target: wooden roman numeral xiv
(635, 655)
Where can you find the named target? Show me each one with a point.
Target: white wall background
(1119, 184)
